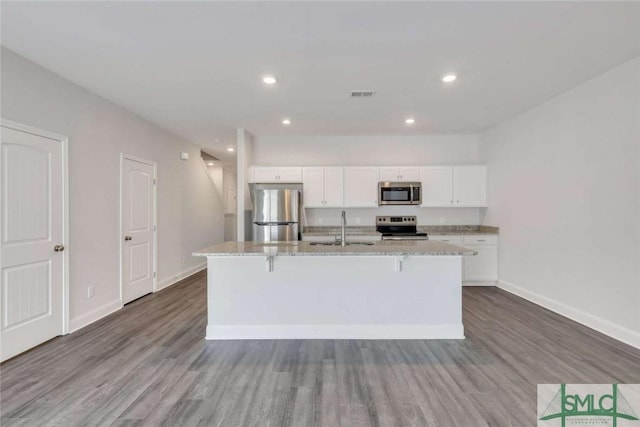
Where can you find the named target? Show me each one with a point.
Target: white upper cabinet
(457, 186)
(361, 187)
(470, 186)
(322, 187)
(276, 174)
(400, 174)
(437, 186)
(313, 187)
(334, 187)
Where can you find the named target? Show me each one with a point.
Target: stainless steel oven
(399, 228)
(399, 193)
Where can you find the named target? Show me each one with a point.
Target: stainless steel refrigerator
(276, 212)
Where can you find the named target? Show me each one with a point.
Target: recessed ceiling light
(210, 163)
(448, 78)
(410, 121)
(270, 80)
(231, 149)
(218, 140)
(286, 122)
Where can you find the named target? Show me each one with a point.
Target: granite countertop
(429, 229)
(299, 248)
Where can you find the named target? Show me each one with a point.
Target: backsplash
(367, 216)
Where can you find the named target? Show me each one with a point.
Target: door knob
(58, 248)
(128, 238)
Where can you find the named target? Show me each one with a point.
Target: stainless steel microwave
(399, 193)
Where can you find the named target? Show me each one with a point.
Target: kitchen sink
(338, 243)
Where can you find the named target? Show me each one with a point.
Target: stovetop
(399, 228)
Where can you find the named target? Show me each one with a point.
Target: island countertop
(300, 248)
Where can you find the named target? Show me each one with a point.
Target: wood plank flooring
(149, 364)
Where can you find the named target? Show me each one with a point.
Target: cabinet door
(333, 187)
(470, 185)
(437, 186)
(481, 267)
(389, 174)
(409, 174)
(290, 174)
(313, 187)
(265, 174)
(361, 187)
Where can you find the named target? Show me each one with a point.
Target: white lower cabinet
(480, 269)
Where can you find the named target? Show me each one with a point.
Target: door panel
(470, 185)
(138, 238)
(313, 187)
(361, 187)
(333, 187)
(437, 186)
(31, 292)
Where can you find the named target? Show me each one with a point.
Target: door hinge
(154, 181)
(154, 228)
(154, 274)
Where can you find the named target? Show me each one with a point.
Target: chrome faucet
(343, 240)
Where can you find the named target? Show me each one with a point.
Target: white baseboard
(606, 327)
(94, 315)
(478, 283)
(182, 275)
(369, 332)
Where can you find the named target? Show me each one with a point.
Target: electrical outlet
(91, 291)
(357, 220)
(184, 260)
(442, 220)
(320, 221)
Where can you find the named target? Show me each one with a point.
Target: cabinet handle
(481, 240)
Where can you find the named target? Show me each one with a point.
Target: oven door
(406, 193)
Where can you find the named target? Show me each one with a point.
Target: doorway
(34, 295)
(137, 228)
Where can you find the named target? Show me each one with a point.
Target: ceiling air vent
(362, 93)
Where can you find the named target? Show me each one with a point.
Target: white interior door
(33, 257)
(138, 234)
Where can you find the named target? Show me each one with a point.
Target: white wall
(400, 150)
(229, 191)
(244, 157)
(564, 180)
(367, 216)
(189, 217)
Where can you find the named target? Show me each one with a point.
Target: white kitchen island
(297, 290)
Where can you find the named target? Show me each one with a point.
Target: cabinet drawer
(487, 239)
(454, 240)
(318, 238)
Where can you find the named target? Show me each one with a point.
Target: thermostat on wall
(184, 156)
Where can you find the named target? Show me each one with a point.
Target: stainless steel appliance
(399, 228)
(276, 212)
(399, 193)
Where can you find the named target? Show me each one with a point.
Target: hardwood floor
(149, 364)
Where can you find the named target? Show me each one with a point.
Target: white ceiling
(195, 67)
